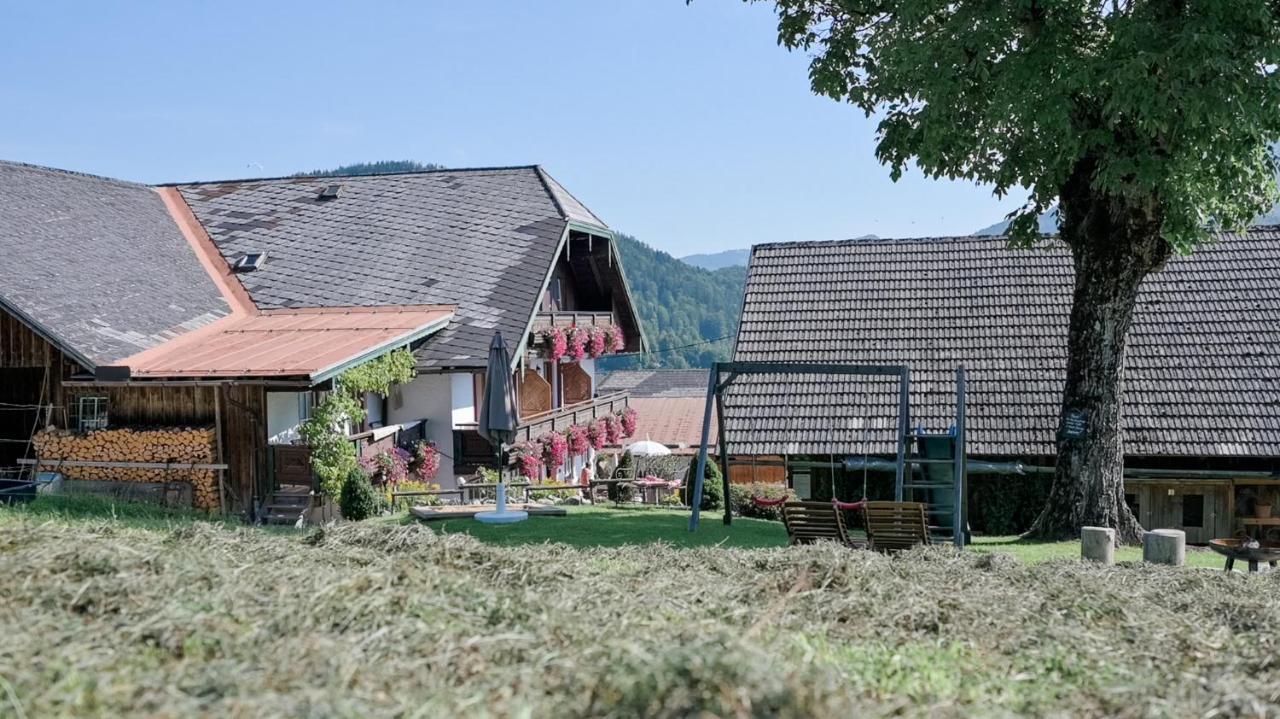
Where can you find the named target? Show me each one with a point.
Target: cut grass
(387, 619)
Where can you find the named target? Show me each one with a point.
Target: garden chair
(893, 526)
(809, 522)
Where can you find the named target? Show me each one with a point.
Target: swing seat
(810, 522)
(894, 526)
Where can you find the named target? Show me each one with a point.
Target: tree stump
(1098, 544)
(1165, 546)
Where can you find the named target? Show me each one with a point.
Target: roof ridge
(73, 173)
(543, 177)
(1218, 234)
(495, 168)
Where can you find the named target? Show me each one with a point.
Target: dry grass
(386, 620)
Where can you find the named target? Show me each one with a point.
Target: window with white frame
(91, 412)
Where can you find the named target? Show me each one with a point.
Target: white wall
(285, 412)
(429, 397)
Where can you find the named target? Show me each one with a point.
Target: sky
(686, 126)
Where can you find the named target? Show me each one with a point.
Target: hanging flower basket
(614, 338)
(579, 442)
(528, 458)
(629, 419)
(577, 339)
(598, 433)
(554, 344)
(613, 429)
(555, 450)
(597, 345)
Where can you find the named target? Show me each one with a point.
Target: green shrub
(740, 499)
(621, 493)
(712, 489)
(357, 500)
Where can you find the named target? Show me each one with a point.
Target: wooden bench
(809, 522)
(894, 526)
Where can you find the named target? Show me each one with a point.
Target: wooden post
(696, 495)
(1098, 544)
(1165, 546)
(217, 438)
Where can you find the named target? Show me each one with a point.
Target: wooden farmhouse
(1201, 415)
(177, 336)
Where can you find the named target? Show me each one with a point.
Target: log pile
(178, 445)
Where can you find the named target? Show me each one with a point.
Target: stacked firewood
(175, 445)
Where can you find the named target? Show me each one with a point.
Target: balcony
(564, 417)
(544, 320)
(472, 451)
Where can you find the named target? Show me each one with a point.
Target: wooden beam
(183, 466)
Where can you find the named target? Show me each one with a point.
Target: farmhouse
(1202, 394)
(179, 335)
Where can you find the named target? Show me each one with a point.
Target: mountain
(718, 260)
(381, 167)
(1048, 225)
(680, 305)
(732, 258)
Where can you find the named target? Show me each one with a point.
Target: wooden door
(292, 465)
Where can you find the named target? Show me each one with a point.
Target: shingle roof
(97, 264)
(673, 421)
(480, 239)
(656, 383)
(1203, 366)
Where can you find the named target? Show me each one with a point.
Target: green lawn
(583, 527)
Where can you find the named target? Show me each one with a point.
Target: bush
(712, 491)
(1003, 504)
(621, 493)
(357, 500)
(740, 499)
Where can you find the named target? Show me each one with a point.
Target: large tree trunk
(1114, 245)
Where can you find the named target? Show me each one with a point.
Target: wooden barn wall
(137, 406)
(22, 348)
(244, 449)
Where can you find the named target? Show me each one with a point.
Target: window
(91, 412)
(249, 262)
(1193, 510)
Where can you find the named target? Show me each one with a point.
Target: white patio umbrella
(648, 448)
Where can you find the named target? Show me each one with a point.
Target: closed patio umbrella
(497, 422)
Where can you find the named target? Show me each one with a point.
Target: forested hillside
(679, 304)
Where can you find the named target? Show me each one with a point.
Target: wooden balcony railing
(558, 420)
(543, 320)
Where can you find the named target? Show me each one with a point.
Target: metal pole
(959, 510)
(904, 428)
(713, 378)
(723, 446)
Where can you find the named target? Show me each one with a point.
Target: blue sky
(686, 126)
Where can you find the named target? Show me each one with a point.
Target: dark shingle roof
(97, 264)
(1203, 367)
(665, 383)
(480, 239)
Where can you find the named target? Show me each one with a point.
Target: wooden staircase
(287, 505)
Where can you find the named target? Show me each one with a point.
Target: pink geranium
(556, 344)
(555, 450)
(597, 344)
(528, 456)
(598, 433)
(616, 340)
(579, 442)
(426, 461)
(629, 419)
(577, 339)
(613, 429)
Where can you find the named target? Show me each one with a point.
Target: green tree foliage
(1146, 121)
(333, 458)
(712, 485)
(680, 305)
(382, 167)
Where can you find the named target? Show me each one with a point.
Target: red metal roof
(673, 421)
(312, 343)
